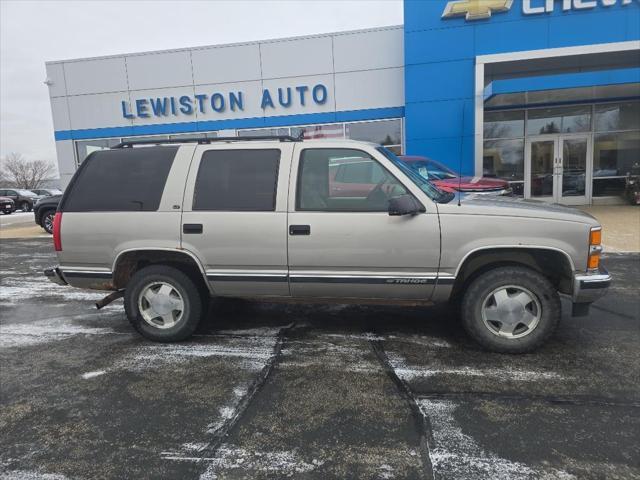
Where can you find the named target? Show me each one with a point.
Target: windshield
(432, 170)
(26, 193)
(425, 185)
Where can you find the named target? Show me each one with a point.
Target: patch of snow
(457, 455)
(358, 336)
(281, 463)
(96, 373)
(16, 289)
(194, 447)
(253, 355)
(27, 475)
(252, 332)
(230, 411)
(386, 471)
(408, 373)
(42, 331)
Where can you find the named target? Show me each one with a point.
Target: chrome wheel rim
(511, 311)
(48, 222)
(160, 305)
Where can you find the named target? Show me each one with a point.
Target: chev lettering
(482, 9)
(534, 7)
(217, 102)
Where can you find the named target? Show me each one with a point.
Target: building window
(617, 116)
(316, 132)
(614, 155)
(542, 121)
(85, 147)
(189, 136)
(509, 124)
(384, 132)
(505, 159)
(263, 132)
(153, 138)
(237, 180)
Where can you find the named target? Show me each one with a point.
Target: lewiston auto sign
(215, 102)
(479, 9)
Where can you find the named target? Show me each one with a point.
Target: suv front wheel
(510, 309)
(163, 304)
(47, 221)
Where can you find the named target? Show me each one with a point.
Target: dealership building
(542, 93)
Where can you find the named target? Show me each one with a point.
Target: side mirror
(404, 205)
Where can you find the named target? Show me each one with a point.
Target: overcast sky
(32, 32)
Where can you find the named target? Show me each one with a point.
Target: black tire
(47, 221)
(25, 207)
(191, 295)
(481, 289)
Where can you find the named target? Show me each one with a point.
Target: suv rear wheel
(510, 309)
(163, 304)
(25, 206)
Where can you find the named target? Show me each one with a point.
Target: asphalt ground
(268, 390)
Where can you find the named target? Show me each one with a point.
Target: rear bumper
(589, 287)
(55, 275)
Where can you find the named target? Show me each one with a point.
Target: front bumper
(55, 275)
(589, 287)
(8, 207)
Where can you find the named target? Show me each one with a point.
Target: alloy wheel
(161, 305)
(511, 311)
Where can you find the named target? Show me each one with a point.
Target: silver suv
(169, 226)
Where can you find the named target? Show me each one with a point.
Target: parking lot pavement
(267, 390)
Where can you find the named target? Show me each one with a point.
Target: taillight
(57, 234)
(595, 248)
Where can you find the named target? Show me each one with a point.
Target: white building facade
(330, 86)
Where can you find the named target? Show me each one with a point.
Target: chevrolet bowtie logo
(475, 9)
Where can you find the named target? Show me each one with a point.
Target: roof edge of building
(226, 45)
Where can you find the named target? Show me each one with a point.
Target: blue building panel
(439, 81)
(439, 45)
(587, 29)
(530, 34)
(440, 59)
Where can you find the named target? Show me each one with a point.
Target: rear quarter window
(122, 180)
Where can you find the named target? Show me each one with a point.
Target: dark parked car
(7, 206)
(45, 210)
(47, 192)
(24, 199)
(449, 181)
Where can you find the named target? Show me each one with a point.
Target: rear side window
(123, 180)
(237, 180)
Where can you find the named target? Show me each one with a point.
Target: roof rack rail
(205, 140)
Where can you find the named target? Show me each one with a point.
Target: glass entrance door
(557, 168)
(572, 169)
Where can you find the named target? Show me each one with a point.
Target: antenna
(460, 156)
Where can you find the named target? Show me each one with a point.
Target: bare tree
(23, 173)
